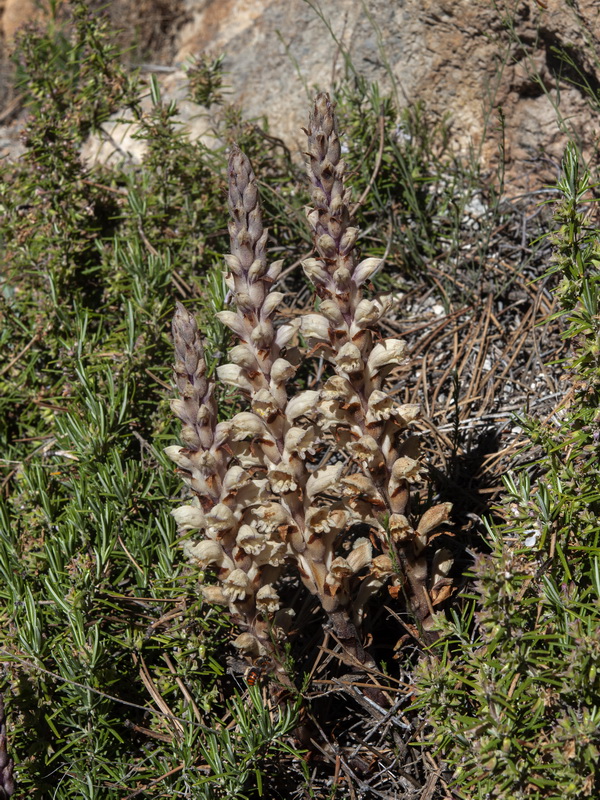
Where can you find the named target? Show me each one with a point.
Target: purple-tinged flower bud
(315, 270)
(348, 240)
(234, 264)
(326, 246)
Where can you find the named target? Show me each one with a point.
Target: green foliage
(514, 693)
(112, 668)
(424, 205)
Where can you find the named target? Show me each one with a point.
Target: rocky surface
(463, 58)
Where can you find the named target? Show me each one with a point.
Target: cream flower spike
(318, 447)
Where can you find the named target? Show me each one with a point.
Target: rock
(464, 58)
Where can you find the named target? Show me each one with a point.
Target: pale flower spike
(269, 498)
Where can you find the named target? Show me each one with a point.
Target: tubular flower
(326, 519)
(349, 359)
(220, 519)
(267, 599)
(282, 479)
(236, 585)
(301, 441)
(206, 552)
(251, 540)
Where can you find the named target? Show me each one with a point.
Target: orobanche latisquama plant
(284, 485)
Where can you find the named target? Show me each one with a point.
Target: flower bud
(274, 270)
(348, 240)
(247, 644)
(235, 479)
(178, 455)
(323, 479)
(189, 518)
(206, 552)
(246, 425)
(257, 269)
(315, 270)
(326, 246)
(331, 310)
(285, 333)
(263, 335)
(361, 555)
(234, 264)
(433, 517)
(301, 404)
(368, 312)
(271, 302)
(282, 370)
(315, 326)
(214, 594)
(366, 270)
(233, 322)
(243, 356)
(385, 354)
(233, 375)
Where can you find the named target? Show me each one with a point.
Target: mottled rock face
(458, 56)
(455, 55)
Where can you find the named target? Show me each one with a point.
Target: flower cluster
(261, 501)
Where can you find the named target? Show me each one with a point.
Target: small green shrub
(514, 690)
